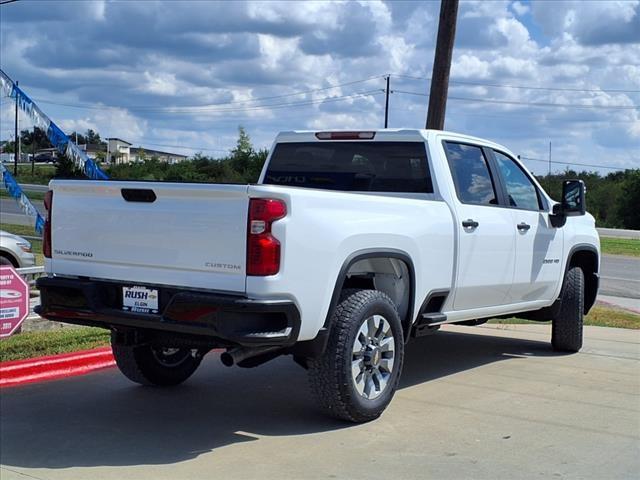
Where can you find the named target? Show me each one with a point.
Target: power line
(530, 104)
(206, 106)
(4, 2)
(525, 87)
(178, 110)
(574, 164)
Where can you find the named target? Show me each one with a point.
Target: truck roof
(380, 134)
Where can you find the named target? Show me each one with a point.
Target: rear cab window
(471, 174)
(351, 166)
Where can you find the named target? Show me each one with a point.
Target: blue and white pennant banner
(25, 204)
(55, 135)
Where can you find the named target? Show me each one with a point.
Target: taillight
(263, 249)
(46, 237)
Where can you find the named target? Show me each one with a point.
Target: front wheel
(357, 375)
(150, 365)
(566, 328)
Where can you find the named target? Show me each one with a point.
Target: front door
(539, 245)
(486, 236)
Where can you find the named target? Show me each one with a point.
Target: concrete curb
(20, 372)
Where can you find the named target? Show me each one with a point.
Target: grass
(51, 342)
(599, 316)
(18, 229)
(620, 246)
(42, 173)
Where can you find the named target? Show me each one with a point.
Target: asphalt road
(10, 206)
(619, 233)
(620, 276)
(483, 402)
(34, 187)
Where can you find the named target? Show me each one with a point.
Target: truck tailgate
(153, 233)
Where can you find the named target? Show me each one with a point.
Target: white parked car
(15, 251)
(350, 244)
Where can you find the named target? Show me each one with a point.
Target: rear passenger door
(538, 244)
(485, 231)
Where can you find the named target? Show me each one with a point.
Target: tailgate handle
(143, 195)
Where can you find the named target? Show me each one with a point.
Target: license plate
(140, 299)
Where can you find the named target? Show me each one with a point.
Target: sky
(182, 76)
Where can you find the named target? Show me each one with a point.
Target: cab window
(521, 192)
(471, 174)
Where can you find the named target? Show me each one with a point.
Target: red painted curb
(20, 372)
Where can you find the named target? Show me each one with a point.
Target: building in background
(120, 151)
(142, 154)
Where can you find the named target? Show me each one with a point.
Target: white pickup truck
(350, 244)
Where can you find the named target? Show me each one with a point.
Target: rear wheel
(567, 324)
(357, 375)
(149, 365)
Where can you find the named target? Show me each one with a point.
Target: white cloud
(520, 8)
(222, 54)
(469, 66)
(159, 83)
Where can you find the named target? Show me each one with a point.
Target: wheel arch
(391, 255)
(9, 255)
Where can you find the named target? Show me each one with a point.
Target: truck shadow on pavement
(104, 420)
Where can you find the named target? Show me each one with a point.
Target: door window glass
(521, 192)
(471, 174)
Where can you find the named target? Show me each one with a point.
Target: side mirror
(572, 204)
(573, 198)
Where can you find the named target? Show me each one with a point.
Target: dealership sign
(14, 301)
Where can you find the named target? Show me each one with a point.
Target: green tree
(78, 138)
(65, 168)
(629, 204)
(93, 137)
(242, 153)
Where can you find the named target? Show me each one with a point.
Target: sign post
(14, 301)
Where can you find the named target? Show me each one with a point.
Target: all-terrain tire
(330, 375)
(567, 325)
(147, 365)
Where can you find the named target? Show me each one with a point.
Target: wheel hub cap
(373, 357)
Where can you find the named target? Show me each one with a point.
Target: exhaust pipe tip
(236, 356)
(227, 359)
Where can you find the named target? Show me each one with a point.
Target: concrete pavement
(491, 402)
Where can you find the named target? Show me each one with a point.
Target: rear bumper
(218, 318)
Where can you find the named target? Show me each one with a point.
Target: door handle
(523, 227)
(470, 223)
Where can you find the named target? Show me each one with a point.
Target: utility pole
(16, 146)
(386, 104)
(549, 186)
(442, 64)
(33, 152)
